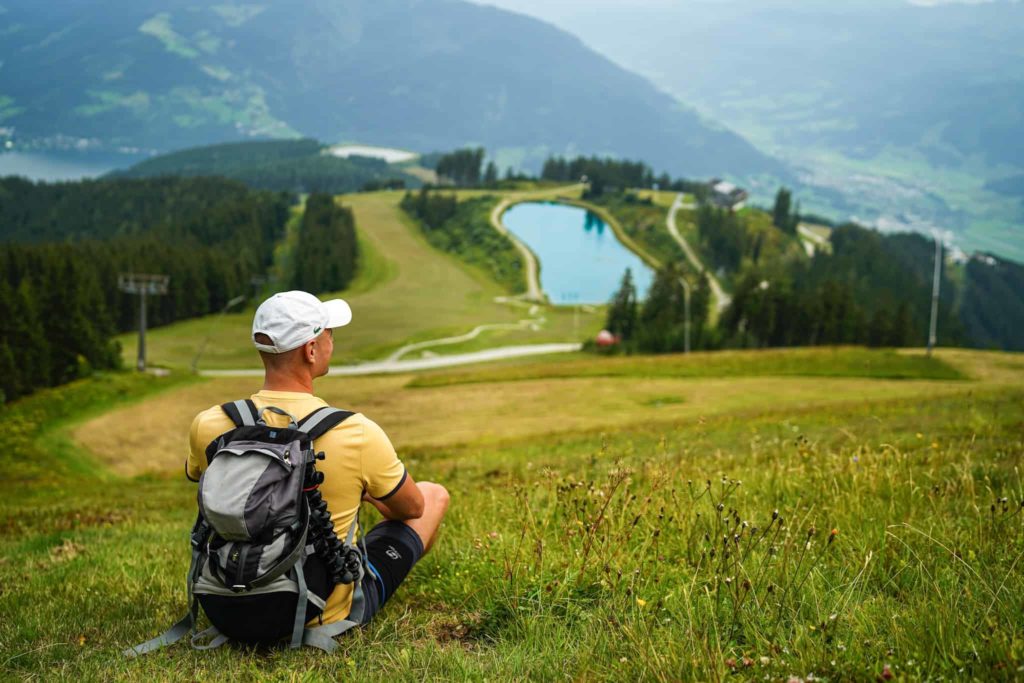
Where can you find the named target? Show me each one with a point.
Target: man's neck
(274, 381)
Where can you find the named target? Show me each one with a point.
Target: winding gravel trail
(413, 365)
(721, 298)
(528, 323)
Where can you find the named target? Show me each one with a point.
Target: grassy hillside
(864, 529)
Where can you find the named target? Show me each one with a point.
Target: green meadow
(685, 525)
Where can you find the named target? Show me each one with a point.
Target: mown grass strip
(808, 362)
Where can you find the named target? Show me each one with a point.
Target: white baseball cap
(293, 318)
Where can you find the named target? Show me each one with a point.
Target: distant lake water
(52, 168)
(581, 261)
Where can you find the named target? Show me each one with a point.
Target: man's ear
(309, 351)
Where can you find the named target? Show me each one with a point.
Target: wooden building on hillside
(725, 195)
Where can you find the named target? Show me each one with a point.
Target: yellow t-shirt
(359, 457)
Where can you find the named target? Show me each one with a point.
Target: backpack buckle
(239, 588)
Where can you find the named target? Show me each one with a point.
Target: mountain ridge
(420, 74)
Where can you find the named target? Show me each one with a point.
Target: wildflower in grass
(641, 602)
(886, 673)
(920, 435)
(832, 535)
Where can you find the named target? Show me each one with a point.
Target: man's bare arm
(405, 503)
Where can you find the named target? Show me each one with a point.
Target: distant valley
(904, 115)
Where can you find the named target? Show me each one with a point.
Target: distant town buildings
(725, 195)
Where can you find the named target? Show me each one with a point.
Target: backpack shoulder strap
(322, 420)
(242, 413)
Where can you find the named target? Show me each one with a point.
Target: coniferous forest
(63, 246)
(325, 260)
(871, 289)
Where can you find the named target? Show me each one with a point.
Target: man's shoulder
(354, 425)
(357, 431)
(211, 413)
(211, 423)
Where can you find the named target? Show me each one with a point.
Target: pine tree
(491, 175)
(661, 323)
(10, 379)
(880, 328)
(780, 214)
(623, 309)
(30, 344)
(901, 332)
(700, 308)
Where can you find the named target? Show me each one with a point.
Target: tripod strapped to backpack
(265, 556)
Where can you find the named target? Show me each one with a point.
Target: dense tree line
(658, 324)
(992, 307)
(105, 209)
(327, 251)
(779, 313)
(871, 289)
(433, 209)
(464, 229)
(734, 240)
(378, 185)
(463, 167)
(299, 166)
(608, 174)
(59, 301)
(723, 234)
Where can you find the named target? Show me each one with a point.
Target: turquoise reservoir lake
(581, 261)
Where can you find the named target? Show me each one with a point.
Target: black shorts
(392, 548)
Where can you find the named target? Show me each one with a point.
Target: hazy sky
(557, 8)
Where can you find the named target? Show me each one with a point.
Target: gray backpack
(264, 553)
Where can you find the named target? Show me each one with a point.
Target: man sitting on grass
(294, 332)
